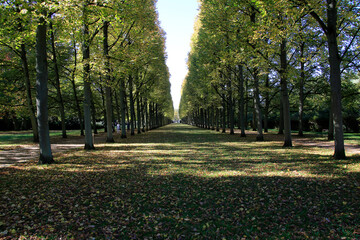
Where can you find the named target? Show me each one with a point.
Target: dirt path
(27, 152)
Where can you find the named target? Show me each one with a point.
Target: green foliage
(232, 32)
(136, 47)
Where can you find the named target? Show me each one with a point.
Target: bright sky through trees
(177, 19)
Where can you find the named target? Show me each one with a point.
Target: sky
(177, 18)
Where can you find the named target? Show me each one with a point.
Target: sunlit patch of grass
(180, 182)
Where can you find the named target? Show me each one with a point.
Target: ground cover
(181, 182)
(15, 138)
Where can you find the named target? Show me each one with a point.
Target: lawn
(181, 182)
(26, 137)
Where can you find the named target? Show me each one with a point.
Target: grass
(349, 137)
(23, 137)
(181, 182)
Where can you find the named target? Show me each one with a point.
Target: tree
(20, 31)
(42, 94)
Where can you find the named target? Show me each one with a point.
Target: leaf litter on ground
(181, 182)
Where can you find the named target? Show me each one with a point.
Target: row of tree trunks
(146, 118)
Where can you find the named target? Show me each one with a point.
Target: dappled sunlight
(205, 158)
(198, 181)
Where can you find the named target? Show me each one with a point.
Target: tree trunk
(138, 110)
(29, 101)
(103, 106)
(118, 115)
(132, 108)
(224, 117)
(143, 115)
(147, 123)
(331, 124)
(57, 82)
(93, 113)
(260, 136)
(213, 118)
(246, 102)
(301, 90)
(77, 102)
(202, 118)
(231, 108)
(335, 79)
(150, 116)
(267, 104)
(253, 122)
(241, 101)
(157, 115)
(127, 112)
(108, 101)
(281, 118)
(89, 143)
(42, 94)
(109, 117)
(123, 108)
(217, 120)
(285, 95)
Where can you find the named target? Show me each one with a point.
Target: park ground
(182, 182)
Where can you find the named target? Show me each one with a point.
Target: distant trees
(97, 50)
(268, 58)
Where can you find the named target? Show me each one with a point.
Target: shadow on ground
(180, 182)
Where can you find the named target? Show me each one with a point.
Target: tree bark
(143, 115)
(330, 29)
(212, 117)
(108, 101)
(127, 111)
(217, 120)
(335, 79)
(241, 101)
(102, 93)
(147, 123)
(118, 115)
(93, 113)
(231, 107)
(123, 108)
(132, 108)
(281, 118)
(77, 102)
(267, 104)
(42, 94)
(260, 136)
(30, 105)
(157, 115)
(57, 82)
(331, 124)
(89, 143)
(285, 95)
(109, 115)
(301, 89)
(223, 112)
(138, 110)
